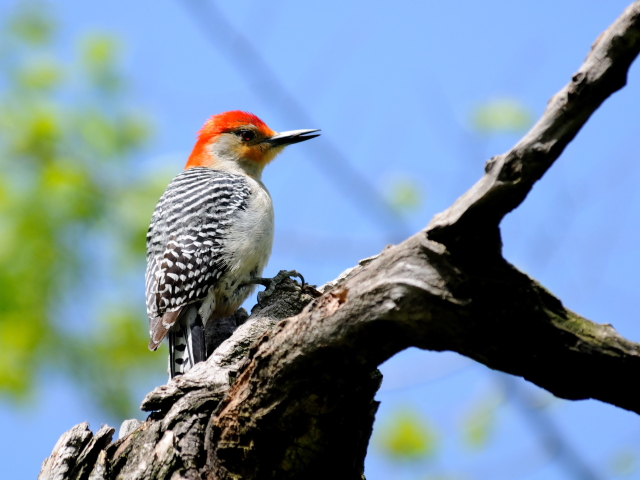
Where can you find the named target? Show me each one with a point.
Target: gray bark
(290, 393)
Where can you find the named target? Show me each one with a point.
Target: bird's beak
(291, 137)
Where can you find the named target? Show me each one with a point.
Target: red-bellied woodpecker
(212, 232)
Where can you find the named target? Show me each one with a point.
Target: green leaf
(32, 24)
(406, 436)
(40, 74)
(502, 115)
(405, 194)
(100, 57)
(480, 422)
(624, 462)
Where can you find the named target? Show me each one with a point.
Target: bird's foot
(272, 283)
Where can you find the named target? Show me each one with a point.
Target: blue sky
(392, 86)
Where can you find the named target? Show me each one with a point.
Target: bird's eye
(247, 135)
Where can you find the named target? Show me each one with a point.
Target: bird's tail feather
(186, 343)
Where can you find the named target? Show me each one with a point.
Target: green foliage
(73, 215)
(502, 115)
(625, 463)
(480, 422)
(31, 24)
(405, 195)
(406, 436)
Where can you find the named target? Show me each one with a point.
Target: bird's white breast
(250, 239)
(246, 250)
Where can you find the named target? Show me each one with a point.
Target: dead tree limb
(290, 393)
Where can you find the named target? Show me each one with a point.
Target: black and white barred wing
(185, 243)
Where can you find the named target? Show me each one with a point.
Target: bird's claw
(272, 283)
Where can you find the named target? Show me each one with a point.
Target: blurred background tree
(73, 214)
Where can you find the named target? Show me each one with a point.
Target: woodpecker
(211, 233)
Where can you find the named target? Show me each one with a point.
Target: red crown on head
(219, 124)
(227, 121)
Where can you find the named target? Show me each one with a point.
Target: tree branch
(412, 295)
(510, 177)
(293, 398)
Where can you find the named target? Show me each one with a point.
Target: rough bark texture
(290, 394)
